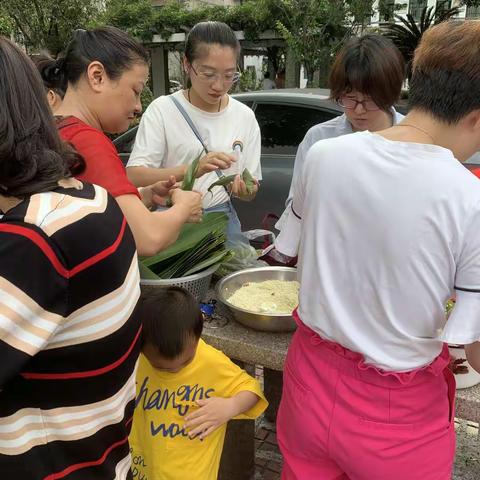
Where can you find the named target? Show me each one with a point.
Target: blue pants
(234, 228)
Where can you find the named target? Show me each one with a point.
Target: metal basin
(268, 322)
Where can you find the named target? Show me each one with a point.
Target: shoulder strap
(193, 128)
(189, 121)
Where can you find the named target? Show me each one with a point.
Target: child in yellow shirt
(187, 391)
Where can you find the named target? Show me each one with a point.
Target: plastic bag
(244, 255)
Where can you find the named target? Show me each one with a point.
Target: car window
(248, 103)
(283, 126)
(124, 143)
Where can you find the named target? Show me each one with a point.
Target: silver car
(284, 117)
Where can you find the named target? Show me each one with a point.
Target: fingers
(215, 161)
(200, 429)
(195, 422)
(239, 188)
(207, 432)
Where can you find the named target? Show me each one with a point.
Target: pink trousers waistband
(353, 363)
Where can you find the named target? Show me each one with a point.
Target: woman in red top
(106, 72)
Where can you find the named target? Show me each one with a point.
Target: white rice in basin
(271, 296)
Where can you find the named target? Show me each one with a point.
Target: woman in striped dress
(68, 288)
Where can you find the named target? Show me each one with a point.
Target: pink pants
(342, 419)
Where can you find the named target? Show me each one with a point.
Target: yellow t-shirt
(161, 448)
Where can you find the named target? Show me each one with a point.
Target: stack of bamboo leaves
(199, 246)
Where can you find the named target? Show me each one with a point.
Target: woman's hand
(214, 161)
(190, 201)
(157, 193)
(238, 189)
(162, 190)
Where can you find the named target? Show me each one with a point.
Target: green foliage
(6, 25)
(248, 81)
(133, 16)
(407, 33)
(314, 29)
(47, 24)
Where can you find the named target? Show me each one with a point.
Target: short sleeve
(104, 166)
(252, 151)
(150, 142)
(288, 241)
(236, 380)
(33, 301)
(463, 325)
(297, 171)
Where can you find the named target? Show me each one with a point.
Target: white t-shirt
(164, 139)
(384, 244)
(333, 128)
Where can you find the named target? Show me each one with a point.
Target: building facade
(386, 9)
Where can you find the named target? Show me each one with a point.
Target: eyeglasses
(210, 77)
(351, 104)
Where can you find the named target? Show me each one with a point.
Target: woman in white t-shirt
(166, 143)
(390, 230)
(364, 88)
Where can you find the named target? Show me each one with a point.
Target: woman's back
(383, 244)
(69, 343)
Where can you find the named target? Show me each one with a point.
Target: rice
(271, 296)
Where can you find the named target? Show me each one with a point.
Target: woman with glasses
(106, 71)
(366, 80)
(219, 129)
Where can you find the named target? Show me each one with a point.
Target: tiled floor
(268, 461)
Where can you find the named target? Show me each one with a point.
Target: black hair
(446, 71)
(110, 46)
(53, 78)
(372, 65)
(209, 33)
(33, 158)
(171, 317)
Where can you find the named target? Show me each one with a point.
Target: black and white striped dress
(68, 340)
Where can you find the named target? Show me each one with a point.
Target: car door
(282, 126)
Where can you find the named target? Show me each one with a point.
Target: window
(416, 7)
(443, 5)
(473, 12)
(386, 9)
(283, 126)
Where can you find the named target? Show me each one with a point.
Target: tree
(314, 29)
(6, 26)
(47, 24)
(407, 33)
(137, 17)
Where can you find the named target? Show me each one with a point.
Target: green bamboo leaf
(191, 174)
(222, 182)
(249, 181)
(190, 235)
(208, 262)
(146, 273)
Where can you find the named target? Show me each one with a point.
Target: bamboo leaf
(217, 258)
(249, 181)
(191, 174)
(222, 182)
(146, 273)
(190, 235)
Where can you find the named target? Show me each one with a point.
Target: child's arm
(215, 411)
